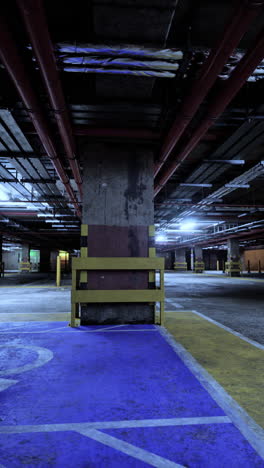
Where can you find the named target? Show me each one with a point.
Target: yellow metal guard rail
(25, 266)
(198, 267)
(180, 265)
(84, 264)
(233, 267)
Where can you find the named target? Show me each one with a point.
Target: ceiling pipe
(243, 16)
(13, 63)
(34, 17)
(216, 107)
(107, 132)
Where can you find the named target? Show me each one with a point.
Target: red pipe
(244, 69)
(235, 30)
(35, 21)
(13, 63)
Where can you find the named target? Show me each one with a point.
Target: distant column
(199, 263)
(44, 260)
(25, 253)
(180, 263)
(1, 255)
(233, 257)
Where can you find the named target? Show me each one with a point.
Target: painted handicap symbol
(44, 355)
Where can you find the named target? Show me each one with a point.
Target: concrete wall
(254, 256)
(11, 259)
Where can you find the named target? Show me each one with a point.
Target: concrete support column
(1, 255)
(192, 259)
(44, 260)
(180, 263)
(233, 257)
(118, 209)
(199, 263)
(25, 255)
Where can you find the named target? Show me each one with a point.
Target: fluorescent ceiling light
(237, 185)
(187, 226)
(161, 238)
(234, 162)
(196, 185)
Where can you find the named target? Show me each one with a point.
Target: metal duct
(120, 51)
(243, 70)
(121, 62)
(116, 71)
(211, 68)
(13, 63)
(35, 21)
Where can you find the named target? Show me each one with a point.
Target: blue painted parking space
(108, 396)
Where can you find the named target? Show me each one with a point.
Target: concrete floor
(235, 302)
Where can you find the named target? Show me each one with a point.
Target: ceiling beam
(217, 105)
(11, 58)
(34, 17)
(242, 18)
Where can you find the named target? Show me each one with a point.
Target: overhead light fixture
(161, 238)
(196, 185)
(237, 185)
(234, 162)
(187, 226)
(180, 200)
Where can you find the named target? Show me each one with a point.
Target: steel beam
(244, 69)
(242, 17)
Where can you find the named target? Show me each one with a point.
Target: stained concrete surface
(235, 302)
(33, 294)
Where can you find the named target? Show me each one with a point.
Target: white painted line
(110, 328)
(171, 301)
(209, 319)
(44, 356)
(4, 384)
(129, 449)
(246, 425)
(239, 335)
(125, 424)
(74, 330)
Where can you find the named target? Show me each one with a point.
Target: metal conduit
(13, 63)
(242, 18)
(243, 70)
(33, 14)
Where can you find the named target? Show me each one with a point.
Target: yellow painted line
(237, 365)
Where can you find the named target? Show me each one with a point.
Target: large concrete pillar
(180, 263)
(44, 260)
(233, 257)
(118, 209)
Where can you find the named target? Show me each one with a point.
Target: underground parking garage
(131, 233)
